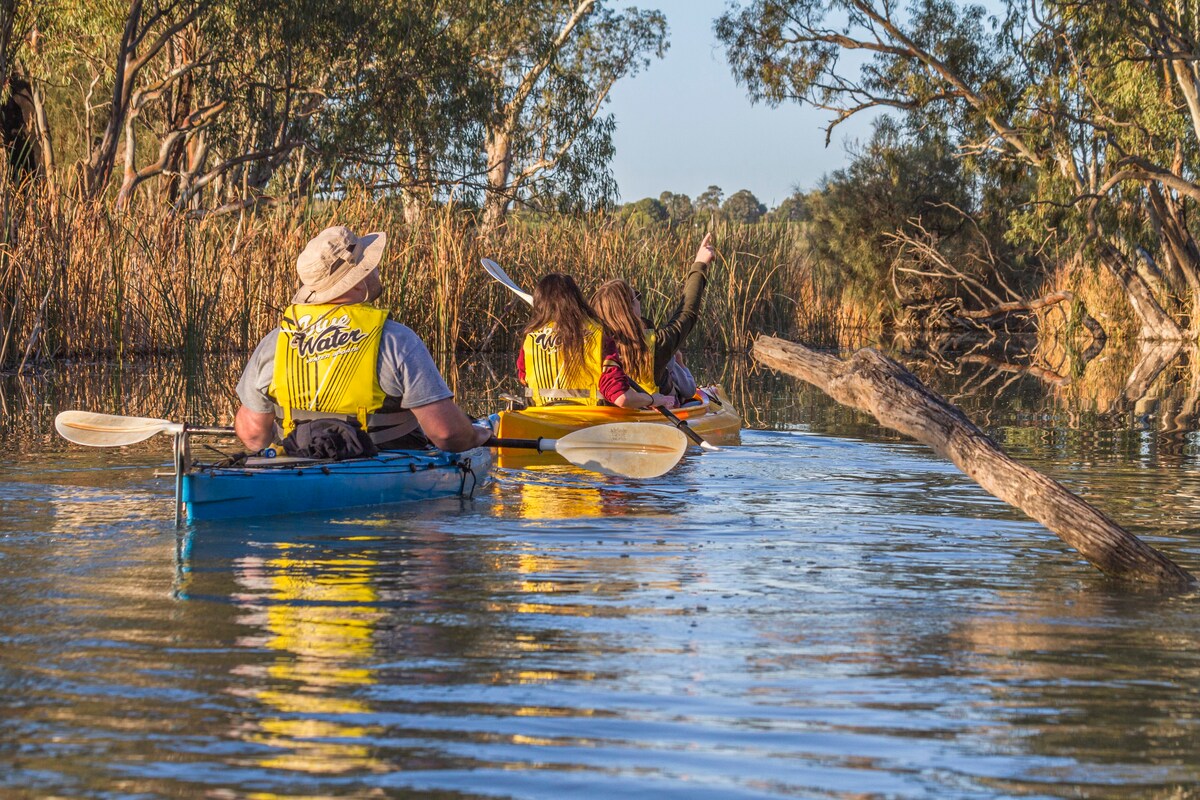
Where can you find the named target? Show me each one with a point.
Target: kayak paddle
(627, 449)
(110, 430)
(677, 422)
(501, 277)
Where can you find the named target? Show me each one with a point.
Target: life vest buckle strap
(558, 394)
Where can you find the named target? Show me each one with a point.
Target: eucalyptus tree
(211, 98)
(709, 201)
(1093, 105)
(408, 116)
(742, 206)
(230, 104)
(679, 207)
(229, 109)
(550, 66)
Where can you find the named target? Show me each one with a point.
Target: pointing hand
(706, 253)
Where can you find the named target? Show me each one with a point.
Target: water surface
(825, 611)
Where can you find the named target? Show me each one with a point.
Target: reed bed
(83, 280)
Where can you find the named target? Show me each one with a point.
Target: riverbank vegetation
(165, 162)
(1077, 124)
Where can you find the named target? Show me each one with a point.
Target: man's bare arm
(448, 427)
(255, 429)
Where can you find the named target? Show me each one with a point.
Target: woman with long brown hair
(648, 352)
(566, 356)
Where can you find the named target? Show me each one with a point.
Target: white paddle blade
(628, 449)
(109, 430)
(500, 275)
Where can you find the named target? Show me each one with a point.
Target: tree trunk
(495, 203)
(181, 106)
(874, 383)
(1155, 322)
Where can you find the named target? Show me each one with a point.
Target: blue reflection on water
(804, 615)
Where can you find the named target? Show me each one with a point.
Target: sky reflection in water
(824, 611)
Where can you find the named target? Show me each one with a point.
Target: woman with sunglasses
(566, 356)
(651, 354)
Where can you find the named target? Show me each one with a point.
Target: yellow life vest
(325, 362)
(545, 378)
(646, 380)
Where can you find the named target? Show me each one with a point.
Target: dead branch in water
(1017, 305)
(1047, 376)
(871, 382)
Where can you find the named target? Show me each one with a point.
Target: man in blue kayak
(337, 379)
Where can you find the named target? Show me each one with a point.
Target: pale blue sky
(684, 123)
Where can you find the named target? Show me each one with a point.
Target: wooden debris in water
(872, 382)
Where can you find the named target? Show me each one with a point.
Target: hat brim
(368, 252)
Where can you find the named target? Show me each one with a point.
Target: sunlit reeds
(84, 280)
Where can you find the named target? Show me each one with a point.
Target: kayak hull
(717, 422)
(269, 487)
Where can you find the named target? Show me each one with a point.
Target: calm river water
(824, 611)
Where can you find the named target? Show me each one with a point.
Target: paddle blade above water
(109, 430)
(500, 275)
(629, 449)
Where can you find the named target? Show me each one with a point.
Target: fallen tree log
(1017, 305)
(871, 382)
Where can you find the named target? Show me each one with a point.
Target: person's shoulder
(400, 337)
(269, 339)
(398, 330)
(393, 326)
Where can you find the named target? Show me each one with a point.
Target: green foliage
(709, 201)
(643, 213)
(1077, 124)
(679, 207)
(742, 206)
(251, 99)
(794, 208)
(856, 211)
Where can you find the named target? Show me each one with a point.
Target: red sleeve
(521, 365)
(613, 380)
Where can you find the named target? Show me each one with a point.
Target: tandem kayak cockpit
(711, 415)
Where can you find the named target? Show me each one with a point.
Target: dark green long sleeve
(669, 336)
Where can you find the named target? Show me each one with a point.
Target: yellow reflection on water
(321, 621)
(542, 501)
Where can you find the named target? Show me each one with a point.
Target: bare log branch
(874, 383)
(1018, 305)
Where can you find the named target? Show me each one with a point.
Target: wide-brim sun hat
(335, 261)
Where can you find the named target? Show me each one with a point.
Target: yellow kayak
(713, 417)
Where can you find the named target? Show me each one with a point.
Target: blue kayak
(269, 486)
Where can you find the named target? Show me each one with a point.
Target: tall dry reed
(82, 280)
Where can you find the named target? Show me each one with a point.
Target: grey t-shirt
(406, 371)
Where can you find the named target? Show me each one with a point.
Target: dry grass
(82, 280)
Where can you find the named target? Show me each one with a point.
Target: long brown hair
(557, 300)
(613, 303)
